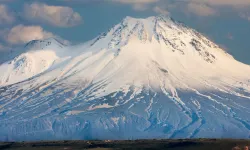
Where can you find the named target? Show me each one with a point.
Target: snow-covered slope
(38, 56)
(144, 78)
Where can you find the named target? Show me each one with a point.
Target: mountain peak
(147, 21)
(150, 18)
(165, 31)
(43, 44)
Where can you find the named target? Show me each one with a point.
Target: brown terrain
(188, 144)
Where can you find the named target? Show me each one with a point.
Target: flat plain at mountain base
(190, 144)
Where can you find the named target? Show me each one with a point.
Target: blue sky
(227, 22)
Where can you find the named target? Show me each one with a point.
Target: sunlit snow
(144, 78)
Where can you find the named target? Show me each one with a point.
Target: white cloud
(6, 16)
(138, 5)
(6, 0)
(21, 34)
(55, 15)
(224, 2)
(200, 9)
(135, 1)
(210, 2)
(205, 7)
(159, 10)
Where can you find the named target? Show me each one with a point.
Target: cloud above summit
(60, 16)
(223, 2)
(135, 1)
(21, 34)
(139, 5)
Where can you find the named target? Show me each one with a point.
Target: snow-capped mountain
(38, 56)
(144, 78)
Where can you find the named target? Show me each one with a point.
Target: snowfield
(144, 78)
